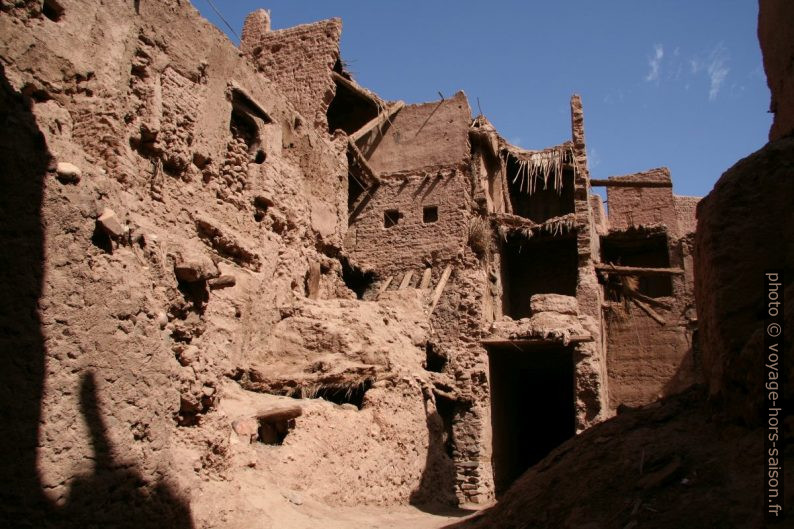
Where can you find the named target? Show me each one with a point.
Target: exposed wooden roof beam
(637, 270)
(377, 121)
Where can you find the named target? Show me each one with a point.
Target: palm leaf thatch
(539, 167)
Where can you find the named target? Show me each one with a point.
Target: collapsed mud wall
(299, 60)
(190, 268)
(650, 320)
(418, 216)
(739, 229)
(165, 206)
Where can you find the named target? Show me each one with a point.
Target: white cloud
(717, 70)
(655, 63)
(715, 66)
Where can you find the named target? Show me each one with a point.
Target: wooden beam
(313, 280)
(426, 277)
(384, 286)
(406, 279)
(440, 287)
(629, 183)
(377, 121)
(649, 311)
(369, 173)
(636, 270)
(282, 413)
(352, 86)
(534, 341)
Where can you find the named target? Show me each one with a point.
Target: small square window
(429, 214)
(391, 217)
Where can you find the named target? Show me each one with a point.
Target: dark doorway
(536, 266)
(532, 406)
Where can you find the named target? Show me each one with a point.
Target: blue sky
(675, 83)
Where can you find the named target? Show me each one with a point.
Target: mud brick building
(239, 283)
(546, 314)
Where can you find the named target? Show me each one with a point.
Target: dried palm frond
(480, 236)
(535, 167)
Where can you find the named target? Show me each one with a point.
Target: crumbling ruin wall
(651, 352)
(423, 157)
(299, 60)
(168, 205)
(458, 322)
(685, 208)
(425, 135)
(418, 216)
(591, 384)
(429, 209)
(642, 206)
(383, 429)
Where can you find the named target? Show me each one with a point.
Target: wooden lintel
(629, 183)
(282, 413)
(377, 121)
(534, 341)
(636, 270)
(369, 173)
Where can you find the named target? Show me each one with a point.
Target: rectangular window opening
(391, 217)
(430, 214)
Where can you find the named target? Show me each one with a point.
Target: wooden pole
(637, 270)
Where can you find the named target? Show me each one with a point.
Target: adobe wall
(646, 360)
(158, 269)
(412, 244)
(425, 135)
(299, 60)
(458, 325)
(591, 384)
(685, 208)
(637, 206)
(649, 359)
